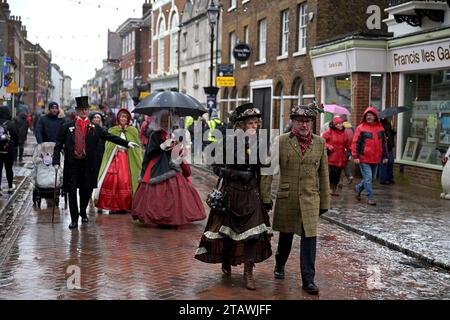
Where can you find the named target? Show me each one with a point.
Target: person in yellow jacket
(213, 124)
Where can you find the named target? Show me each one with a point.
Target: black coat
(47, 129)
(66, 142)
(21, 124)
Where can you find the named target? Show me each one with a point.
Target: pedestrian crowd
(142, 167)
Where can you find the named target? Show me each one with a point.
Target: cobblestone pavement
(119, 259)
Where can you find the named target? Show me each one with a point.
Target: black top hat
(82, 102)
(246, 111)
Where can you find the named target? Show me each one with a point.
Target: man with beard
(303, 192)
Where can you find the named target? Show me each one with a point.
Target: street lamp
(211, 91)
(213, 14)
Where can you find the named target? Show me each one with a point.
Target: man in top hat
(303, 192)
(80, 139)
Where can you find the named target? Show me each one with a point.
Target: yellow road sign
(12, 88)
(226, 81)
(143, 95)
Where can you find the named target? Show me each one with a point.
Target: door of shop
(262, 99)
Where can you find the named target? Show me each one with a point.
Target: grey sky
(75, 33)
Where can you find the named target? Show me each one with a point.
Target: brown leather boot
(226, 268)
(248, 275)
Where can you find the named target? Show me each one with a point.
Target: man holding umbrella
(79, 139)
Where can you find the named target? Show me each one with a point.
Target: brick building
(37, 76)
(195, 49)
(279, 73)
(166, 17)
(410, 67)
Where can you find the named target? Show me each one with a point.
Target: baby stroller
(44, 175)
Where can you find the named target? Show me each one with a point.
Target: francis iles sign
(421, 57)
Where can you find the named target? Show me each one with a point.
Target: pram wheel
(34, 196)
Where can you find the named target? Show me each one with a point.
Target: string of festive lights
(100, 6)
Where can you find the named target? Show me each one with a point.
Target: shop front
(409, 71)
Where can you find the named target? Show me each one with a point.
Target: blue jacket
(48, 128)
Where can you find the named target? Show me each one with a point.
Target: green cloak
(134, 154)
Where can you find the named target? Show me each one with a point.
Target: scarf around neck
(303, 141)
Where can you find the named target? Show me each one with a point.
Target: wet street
(117, 258)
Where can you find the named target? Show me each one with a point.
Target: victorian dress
(119, 172)
(165, 195)
(245, 220)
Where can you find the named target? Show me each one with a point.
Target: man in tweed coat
(303, 193)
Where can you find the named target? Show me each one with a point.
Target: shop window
(426, 127)
(376, 89)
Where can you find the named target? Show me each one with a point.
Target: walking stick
(54, 195)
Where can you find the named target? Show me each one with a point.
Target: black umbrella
(179, 103)
(389, 112)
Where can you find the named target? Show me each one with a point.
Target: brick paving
(120, 259)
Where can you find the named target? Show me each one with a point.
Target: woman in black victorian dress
(242, 233)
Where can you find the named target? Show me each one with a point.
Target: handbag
(216, 199)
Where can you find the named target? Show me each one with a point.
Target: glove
(322, 211)
(167, 145)
(56, 166)
(132, 144)
(444, 161)
(268, 206)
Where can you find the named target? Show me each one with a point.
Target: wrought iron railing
(393, 3)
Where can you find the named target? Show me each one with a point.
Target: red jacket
(369, 142)
(337, 144)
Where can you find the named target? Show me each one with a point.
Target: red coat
(369, 142)
(337, 144)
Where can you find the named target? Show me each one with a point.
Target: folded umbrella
(336, 109)
(179, 103)
(390, 112)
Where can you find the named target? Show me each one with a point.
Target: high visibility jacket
(212, 124)
(188, 121)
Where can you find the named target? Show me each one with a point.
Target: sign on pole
(226, 82)
(12, 88)
(225, 70)
(211, 102)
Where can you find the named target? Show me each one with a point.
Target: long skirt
(116, 193)
(226, 233)
(171, 202)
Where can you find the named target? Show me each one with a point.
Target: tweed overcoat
(304, 186)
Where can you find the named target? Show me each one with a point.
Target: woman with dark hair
(242, 233)
(120, 167)
(338, 149)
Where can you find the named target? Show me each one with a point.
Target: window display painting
(410, 149)
(425, 153)
(418, 128)
(444, 134)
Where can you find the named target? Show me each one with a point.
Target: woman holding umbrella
(165, 175)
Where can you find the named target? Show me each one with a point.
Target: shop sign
(343, 84)
(427, 107)
(419, 57)
(242, 52)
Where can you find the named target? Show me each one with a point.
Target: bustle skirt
(226, 233)
(174, 202)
